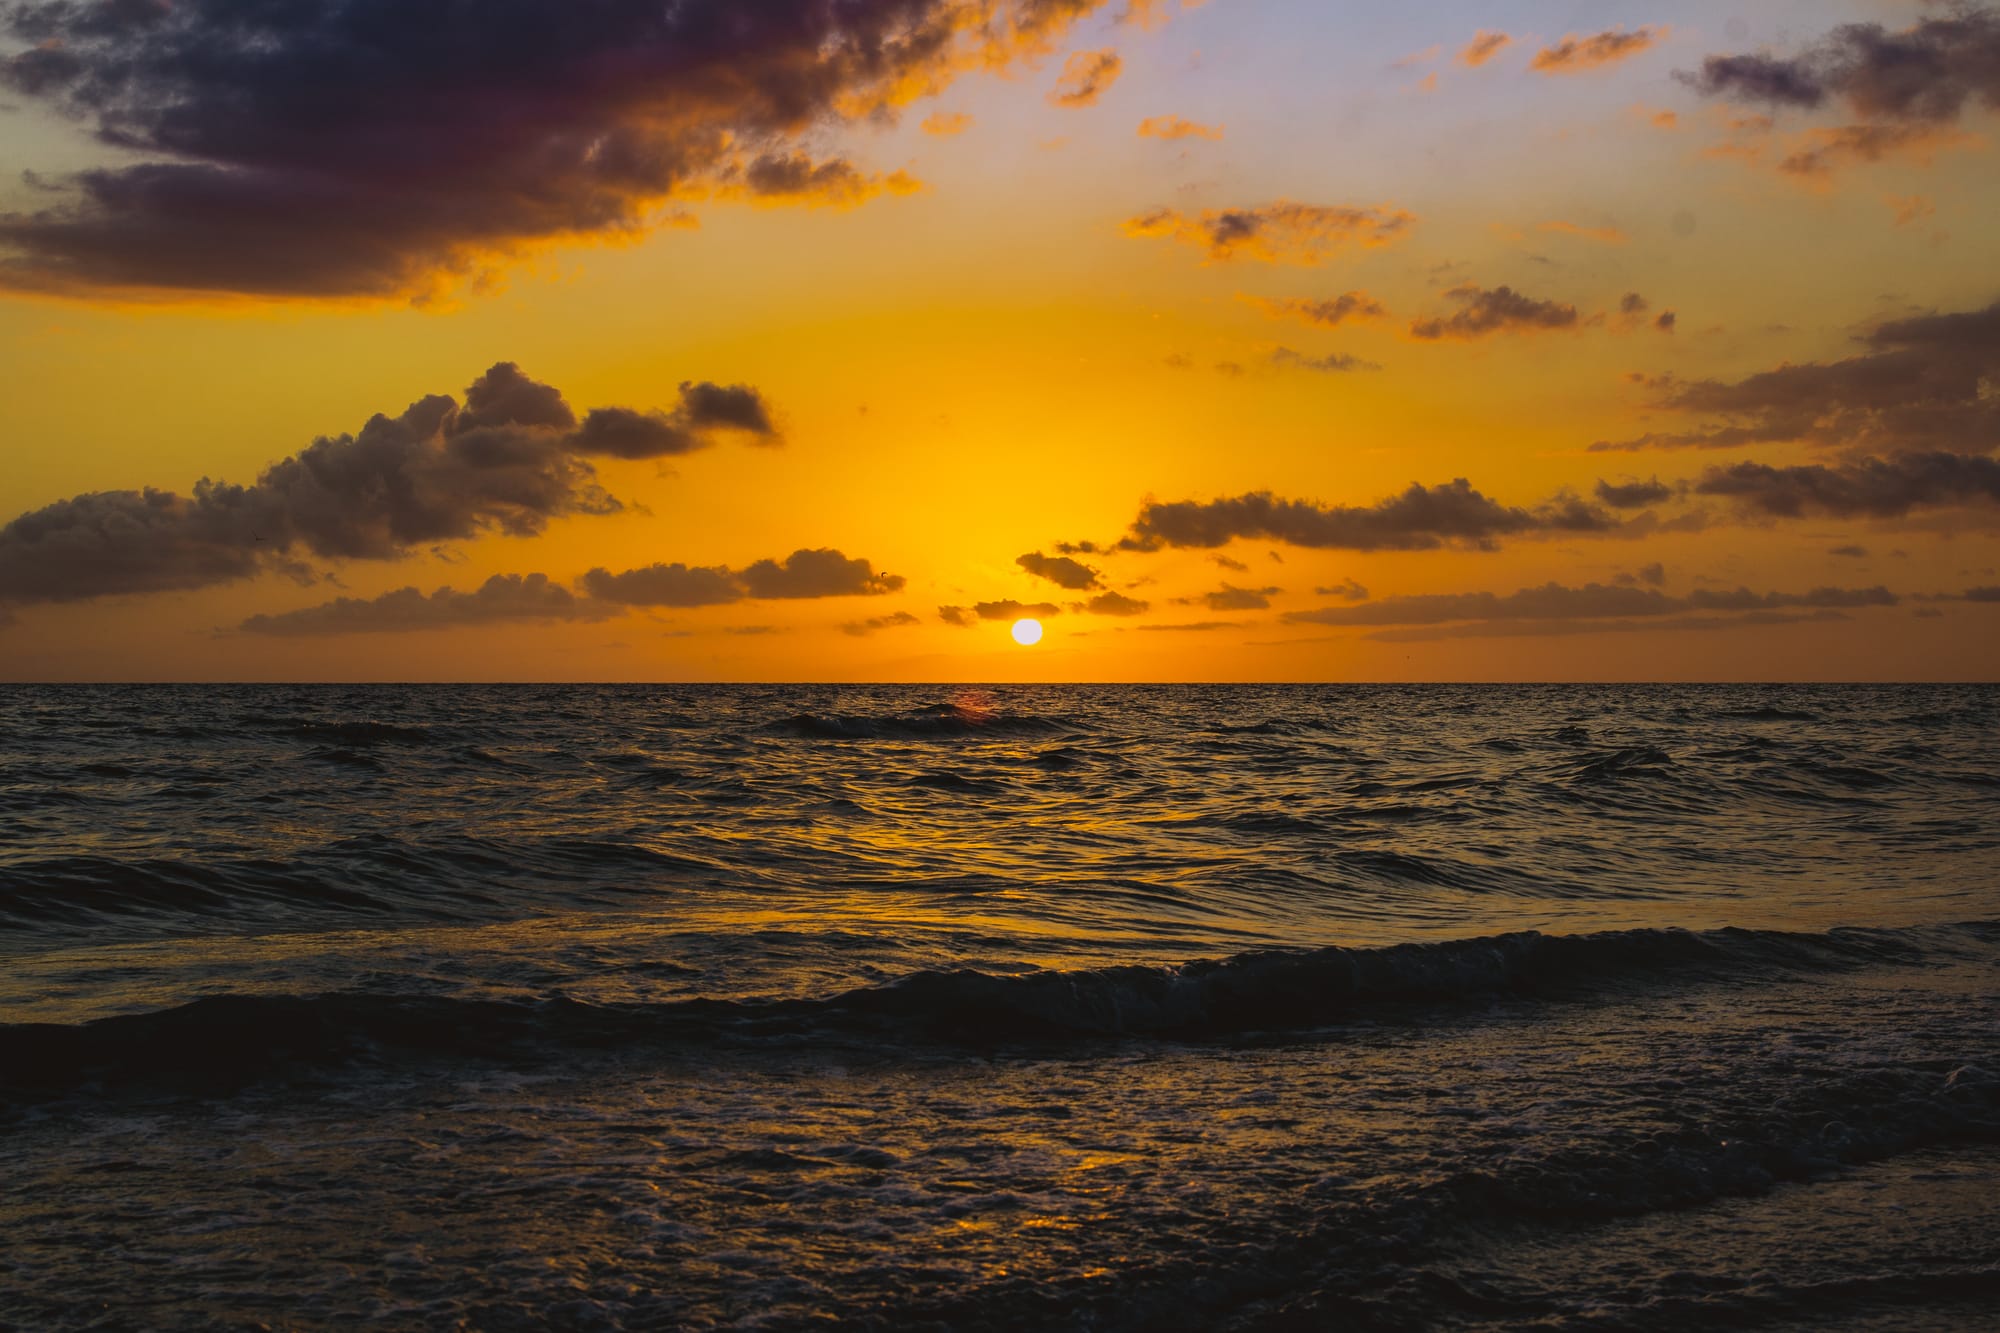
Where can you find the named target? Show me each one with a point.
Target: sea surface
(1560, 1007)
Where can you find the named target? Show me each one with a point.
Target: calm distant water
(1100, 1007)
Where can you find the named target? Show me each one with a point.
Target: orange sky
(1285, 341)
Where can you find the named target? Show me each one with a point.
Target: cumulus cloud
(1904, 89)
(1421, 518)
(1483, 48)
(876, 624)
(1115, 604)
(1277, 233)
(1574, 54)
(1328, 312)
(501, 599)
(509, 459)
(1176, 127)
(794, 178)
(378, 147)
(1870, 488)
(1086, 76)
(1229, 597)
(965, 617)
(1634, 494)
(1924, 384)
(1593, 601)
(1347, 590)
(1483, 313)
(802, 574)
(1060, 570)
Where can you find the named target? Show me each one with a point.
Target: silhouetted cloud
(1061, 571)
(817, 573)
(371, 148)
(1542, 629)
(1483, 313)
(1483, 48)
(802, 574)
(1421, 518)
(1634, 494)
(875, 624)
(1986, 594)
(1849, 552)
(1278, 233)
(506, 460)
(502, 598)
(1086, 76)
(794, 178)
(1920, 387)
(1116, 604)
(1594, 601)
(1573, 53)
(1329, 313)
(966, 616)
(1870, 488)
(1194, 627)
(1176, 127)
(1347, 590)
(665, 585)
(1229, 597)
(1332, 363)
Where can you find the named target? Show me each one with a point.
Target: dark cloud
(1116, 604)
(802, 574)
(1326, 312)
(1229, 597)
(1925, 73)
(1593, 601)
(1422, 518)
(1502, 310)
(1667, 321)
(1333, 363)
(1347, 590)
(1988, 594)
(1922, 385)
(1871, 488)
(504, 461)
(794, 178)
(1634, 494)
(1849, 552)
(1573, 54)
(502, 598)
(1194, 627)
(1061, 571)
(966, 616)
(371, 147)
(875, 624)
(1235, 566)
(1086, 76)
(1541, 629)
(620, 432)
(1278, 233)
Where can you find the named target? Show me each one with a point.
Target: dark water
(1563, 1007)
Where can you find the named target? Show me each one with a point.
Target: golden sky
(1246, 340)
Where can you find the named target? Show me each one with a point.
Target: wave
(240, 1037)
(942, 721)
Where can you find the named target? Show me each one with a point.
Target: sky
(1246, 340)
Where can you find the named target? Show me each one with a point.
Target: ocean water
(1048, 1007)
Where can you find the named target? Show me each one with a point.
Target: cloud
(794, 178)
(1925, 73)
(1194, 627)
(802, 574)
(945, 124)
(1849, 552)
(1116, 604)
(1523, 629)
(665, 585)
(1634, 494)
(1483, 313)
(1483, 48)
(509, 459)
(384, 148)
(1421, 518)
(1594, 601)
(1987, 594)
(502, 598)
(1923, 385)
(875, 624)
(1333, 363)
(1061, 571)
(817, 573)
(1086, 76)
(1277, 233)
(1574, 54)
(965, 617)
(1871, 488)
(1347, 590)
(1174, 127)
(1229, 597)
(1903, 89)
(1328, 312)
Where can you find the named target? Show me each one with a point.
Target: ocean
(602, 1007)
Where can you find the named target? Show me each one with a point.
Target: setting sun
(1027, 633)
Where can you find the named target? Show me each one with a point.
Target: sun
(1027, 633)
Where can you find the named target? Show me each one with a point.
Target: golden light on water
(1027, 633)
